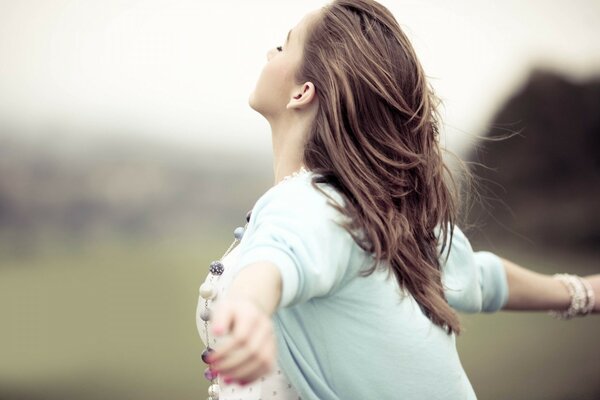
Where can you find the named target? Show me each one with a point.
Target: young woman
(346, 280)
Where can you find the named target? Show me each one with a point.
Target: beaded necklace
(208, 292)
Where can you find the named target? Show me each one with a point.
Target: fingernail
(227, 379)
(243, 383)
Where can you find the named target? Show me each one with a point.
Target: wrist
(246, 297)
(561, 299)
(259, 282)
(581, 296)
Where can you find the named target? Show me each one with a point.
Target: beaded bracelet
(582, 297)
(590, 295)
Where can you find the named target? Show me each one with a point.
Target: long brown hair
(375, 139)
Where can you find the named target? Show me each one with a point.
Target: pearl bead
(205, 315)
(213, 391)
(238, 232)
(207, 291)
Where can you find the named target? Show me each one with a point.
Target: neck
(288, 144)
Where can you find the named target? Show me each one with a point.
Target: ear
(302, 96)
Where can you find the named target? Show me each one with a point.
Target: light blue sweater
(342, 336)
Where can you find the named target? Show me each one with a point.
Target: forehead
(299, 31)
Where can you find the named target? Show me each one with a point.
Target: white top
(270, 386)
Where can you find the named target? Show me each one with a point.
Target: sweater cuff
(284, 263)
(493, 280)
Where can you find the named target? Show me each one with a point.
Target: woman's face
(276, 86)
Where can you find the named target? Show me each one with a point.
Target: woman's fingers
(222, 318)
(240, 321)
(251, 360)
(256, 366)
(248, 348)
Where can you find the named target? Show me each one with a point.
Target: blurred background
(129, 154)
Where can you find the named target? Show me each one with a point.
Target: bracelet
(590, 295)
(582, 297)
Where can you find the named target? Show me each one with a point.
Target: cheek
(276, 76)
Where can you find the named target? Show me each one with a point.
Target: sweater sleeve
(474, 281)
(293, 227)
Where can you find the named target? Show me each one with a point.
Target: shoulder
(455, 239)
(298, 197)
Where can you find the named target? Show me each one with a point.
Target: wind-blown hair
(375, 138)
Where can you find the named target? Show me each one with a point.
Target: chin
(251, 101)
(255, 104)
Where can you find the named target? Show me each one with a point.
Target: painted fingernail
(227, 379)
(243, 383)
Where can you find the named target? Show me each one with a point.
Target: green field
(114, 319)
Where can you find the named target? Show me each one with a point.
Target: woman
(342, 284)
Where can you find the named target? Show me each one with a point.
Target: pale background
(128, 155)
(182, 71)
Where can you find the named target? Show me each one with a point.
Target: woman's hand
(248, 348)
(594, 280)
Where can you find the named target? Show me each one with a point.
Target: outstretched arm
(533, 291)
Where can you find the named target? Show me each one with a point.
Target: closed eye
(279, 48)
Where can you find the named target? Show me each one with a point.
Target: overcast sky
(182, 70)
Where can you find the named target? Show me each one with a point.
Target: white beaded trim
(302, 170)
